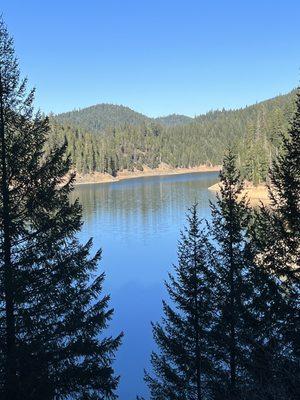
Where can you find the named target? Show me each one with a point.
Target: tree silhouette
(228, 229)
(53, 314)
(276, 237)
(183, 364)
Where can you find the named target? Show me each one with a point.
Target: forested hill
(109, 138)
(174, 119)
(101, 116)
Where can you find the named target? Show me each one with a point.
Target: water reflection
(145, 203)
(136, 223)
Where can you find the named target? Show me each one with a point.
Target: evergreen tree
(101, 133)
(230, 219)
(277, 241)
(52, 313)
(183, 364)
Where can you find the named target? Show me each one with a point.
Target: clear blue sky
(157, 57)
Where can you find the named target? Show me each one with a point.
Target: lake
(137, 222)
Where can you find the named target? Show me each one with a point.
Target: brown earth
(163, 169)
(255, 194)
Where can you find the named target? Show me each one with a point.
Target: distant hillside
(130, 140)
(174, 119)
(101, 116)
(278, 102)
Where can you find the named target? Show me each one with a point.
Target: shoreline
(255, 194)
(163, 170)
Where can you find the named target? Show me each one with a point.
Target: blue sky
(157, 57)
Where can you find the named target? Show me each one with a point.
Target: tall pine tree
(276, 238)
(182, 366)
(230, 219)
(52, 314)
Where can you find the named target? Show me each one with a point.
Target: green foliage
(276, 238)
(53, 313)
(245, 269)
(228, 230)
(183, 364)
(105, 135)
(174, 120)
(102, 116)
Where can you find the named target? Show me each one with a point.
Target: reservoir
(137, 223)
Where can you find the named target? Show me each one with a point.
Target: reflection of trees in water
(144, 202)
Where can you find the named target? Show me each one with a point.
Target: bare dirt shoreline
(255, 194)
(163, 169)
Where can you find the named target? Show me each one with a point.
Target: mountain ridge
(111, 138)
(107, 115)
(101, 116)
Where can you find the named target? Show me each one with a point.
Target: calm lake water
(137, 223)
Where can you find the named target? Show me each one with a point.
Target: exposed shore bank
(255, 194)
(162, 170)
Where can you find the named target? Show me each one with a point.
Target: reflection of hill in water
(144, 201)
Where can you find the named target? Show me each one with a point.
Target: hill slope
(101, 116)
(130, 140)
(173, 120)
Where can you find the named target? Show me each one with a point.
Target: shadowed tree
(52, 312)
(228, 230)
(276, 238)
(182, 365)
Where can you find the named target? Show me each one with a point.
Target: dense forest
(110, 138)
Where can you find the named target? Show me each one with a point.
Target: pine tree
(277, 241)
(230, 219)
(183, 364)
(53, 314)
